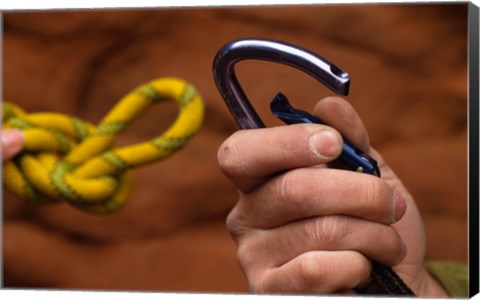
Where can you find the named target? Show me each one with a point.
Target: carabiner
(223, 72)
(327, 73)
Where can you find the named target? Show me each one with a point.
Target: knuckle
(261, 280)
(331, 231)
(235, 225)
(251, 261)
(290, 193)
(286, 187)
(244, 257)
(227, 155)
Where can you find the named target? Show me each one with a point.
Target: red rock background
(409, 70)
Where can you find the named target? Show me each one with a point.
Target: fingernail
(399, 205)
(325, 143)
(12, 141)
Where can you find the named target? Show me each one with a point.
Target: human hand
(12, 142)
(304, 228)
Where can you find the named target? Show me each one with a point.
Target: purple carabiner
(240, 107)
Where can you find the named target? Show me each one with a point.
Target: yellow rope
(66, 158)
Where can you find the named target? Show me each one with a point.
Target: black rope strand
(384, 281)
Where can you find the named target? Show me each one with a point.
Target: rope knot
(67, 158)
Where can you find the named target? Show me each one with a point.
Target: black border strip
(473, 87)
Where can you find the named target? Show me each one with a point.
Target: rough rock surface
(409, 70)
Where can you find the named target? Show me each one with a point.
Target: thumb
(12, 142)
(340, 114)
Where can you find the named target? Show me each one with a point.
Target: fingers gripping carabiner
(383, 279)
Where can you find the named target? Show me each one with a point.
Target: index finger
(249, 157)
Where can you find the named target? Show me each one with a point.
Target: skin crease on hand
(12, 142)
(304, 228)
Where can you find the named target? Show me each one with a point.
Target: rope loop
(65, 158)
